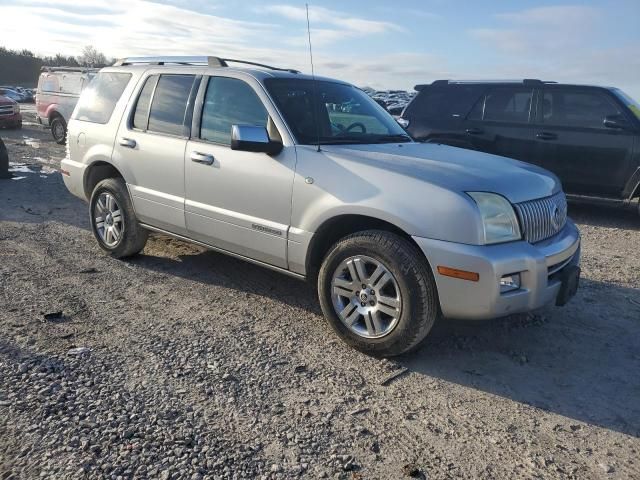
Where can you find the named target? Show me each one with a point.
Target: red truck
(10, 116)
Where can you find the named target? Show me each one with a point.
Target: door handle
(474, 131)
(546, 136)
(203, 158)
(128, 142)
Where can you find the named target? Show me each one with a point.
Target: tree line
(22, 67)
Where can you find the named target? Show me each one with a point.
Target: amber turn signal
(461, 274)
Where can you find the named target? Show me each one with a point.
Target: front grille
(542, 218)
(6, 109)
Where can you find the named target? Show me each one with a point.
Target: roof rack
(524, 81)
(191, 60)
(47, 68)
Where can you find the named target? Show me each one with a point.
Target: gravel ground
(184, 363)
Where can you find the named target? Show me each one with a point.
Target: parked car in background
(10, 116)
(24, 95)
(58, 91)
(312, 178)
(589, 136)
(12, 94)
(27, 93)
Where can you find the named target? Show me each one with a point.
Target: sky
(373, 43)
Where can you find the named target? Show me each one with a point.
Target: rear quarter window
(49, 83)
(99, 99)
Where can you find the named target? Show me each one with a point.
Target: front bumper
(541, 267)
(10, 120)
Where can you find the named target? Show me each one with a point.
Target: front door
(151, 143)
(572, 140)
(237, 201)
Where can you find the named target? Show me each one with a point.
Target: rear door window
(169, 104)
(511, 105)
(99, 99)
(444, 102)
(574, 108)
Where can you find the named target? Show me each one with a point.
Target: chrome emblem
(555, 217)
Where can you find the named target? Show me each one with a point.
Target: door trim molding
(226, 252)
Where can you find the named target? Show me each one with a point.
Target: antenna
(315, 84)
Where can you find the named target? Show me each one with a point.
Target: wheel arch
(337, 227)
(96, 172)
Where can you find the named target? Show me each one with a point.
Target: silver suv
(314, 179)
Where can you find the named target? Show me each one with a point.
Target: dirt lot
(202, 366)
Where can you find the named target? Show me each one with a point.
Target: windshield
(628, 101)
(345, 114)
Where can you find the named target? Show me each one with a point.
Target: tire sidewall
(410, 292)
(110, 186)
(60, 121)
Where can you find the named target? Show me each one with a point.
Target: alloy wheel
(366, 296)
(108, 219)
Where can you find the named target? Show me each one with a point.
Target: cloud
(556, 43)
(536, 31)
(348, 25)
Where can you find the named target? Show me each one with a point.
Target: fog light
(510, 282)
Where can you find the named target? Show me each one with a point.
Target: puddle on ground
(20, 168)
(32, 142)
(43, 170)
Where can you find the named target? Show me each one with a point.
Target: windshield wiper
(400, 137)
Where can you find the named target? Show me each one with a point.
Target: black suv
(588, 136)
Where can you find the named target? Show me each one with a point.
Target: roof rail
(208, 61)
(525, 81)
(47, 68)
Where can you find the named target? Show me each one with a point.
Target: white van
(58, 91)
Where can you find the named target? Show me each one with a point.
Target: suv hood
(6, 100)
(454, 168)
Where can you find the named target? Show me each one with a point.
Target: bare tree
(92, 58)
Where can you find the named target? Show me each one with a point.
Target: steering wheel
(348, 129)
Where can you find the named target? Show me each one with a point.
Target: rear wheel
(378, 293)
(59, 130)
(113, 221)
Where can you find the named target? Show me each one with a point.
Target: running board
(612, 202)
(226, 252)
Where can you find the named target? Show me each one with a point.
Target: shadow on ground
(579, 361)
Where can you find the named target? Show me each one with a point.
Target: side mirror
(616, 121)
(249, 138)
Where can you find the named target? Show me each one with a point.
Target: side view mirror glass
(250, 138)
(616, 121)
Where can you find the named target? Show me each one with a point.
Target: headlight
(498, 217)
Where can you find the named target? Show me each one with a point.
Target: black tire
(59, 130)
(420, 305)
(132, 237)
(17, 126)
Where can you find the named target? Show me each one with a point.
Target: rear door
(151, 142)
(499, 122)
(235, 200)
(572, 141)
(436, 114)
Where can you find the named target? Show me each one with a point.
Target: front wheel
(113, 221)
(59, 130)
(378, 293)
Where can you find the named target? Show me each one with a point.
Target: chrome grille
(542, 218)
(6, 109)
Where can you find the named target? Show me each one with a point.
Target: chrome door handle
(128, 142)
(546, 136)
(203, 158)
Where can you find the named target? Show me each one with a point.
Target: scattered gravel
(186, 364)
